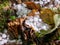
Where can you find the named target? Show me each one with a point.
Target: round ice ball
(4, 36)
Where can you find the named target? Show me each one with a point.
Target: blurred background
(29, 22)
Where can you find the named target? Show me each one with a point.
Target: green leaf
(41, 33)
(59, 38)
(12, 17)
(57, 20)
(37, 34)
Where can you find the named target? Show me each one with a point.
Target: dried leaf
(47, 16)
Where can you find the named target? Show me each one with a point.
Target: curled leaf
(56, 21)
